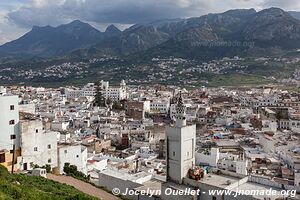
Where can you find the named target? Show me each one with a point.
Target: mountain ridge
(267, 29)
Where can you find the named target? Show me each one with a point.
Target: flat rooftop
(227, 143)
(124, 175)
(218, 180)
(151, 185)
(258, 187)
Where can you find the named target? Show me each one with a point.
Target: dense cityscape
(155, 137)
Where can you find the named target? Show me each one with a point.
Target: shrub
(47, 167)
(71, 170)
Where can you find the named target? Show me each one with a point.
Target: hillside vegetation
(23, 187)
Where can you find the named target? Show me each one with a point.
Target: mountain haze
(295, 14)
(54, 41)
(204, 37)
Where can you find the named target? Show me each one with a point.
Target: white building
(242, 167)
(73, 154)
(60, 125)
(208, 157)
(27, 107)
(269, 125)
(284, 124)
(121, 179)
(225, 161)
(173, 111)
(160, 106)
(73, 93)
(224, 120)
(115, 93)
(266, 101)
(2, 90)
(38, 147)
(42, 92)
(294, 123)
(88, 90)
(181, 142)
(9, 122)
(97, 165)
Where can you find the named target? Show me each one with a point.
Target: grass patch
(23, 187)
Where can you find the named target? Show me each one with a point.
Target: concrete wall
(205, 188)
(38, 146)
(228, 173)
(6, 115)
(73, 154)
(181, 151)
(111, 182)
(8, 159)
(211, 159)
(59, 126)
(242, 167)
(264, 181)
(27, 108)
(267, 144)
(268, 182)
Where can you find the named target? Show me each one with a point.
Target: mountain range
(235, 32)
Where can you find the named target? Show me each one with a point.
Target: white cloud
(284, 4)
(9, 30)
(54, 12)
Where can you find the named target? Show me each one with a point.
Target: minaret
(181, 142)
(123, 92)
(180, 113)
(123, 84)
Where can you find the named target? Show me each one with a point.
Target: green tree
(71, 170)
(117, 105)
(99, 98)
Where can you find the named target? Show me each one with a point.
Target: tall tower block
(181, 142)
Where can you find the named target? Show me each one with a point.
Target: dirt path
(83, 187)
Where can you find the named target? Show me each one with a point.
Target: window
(36, 130)
(2, 158)
(66, 151)
(12, 107)
(77, 156)
(49, 160)
(11, 122)
(49, 146)
(173, 153)
(12, 137)
(35, 149)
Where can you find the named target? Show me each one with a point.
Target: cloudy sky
(18, 16)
